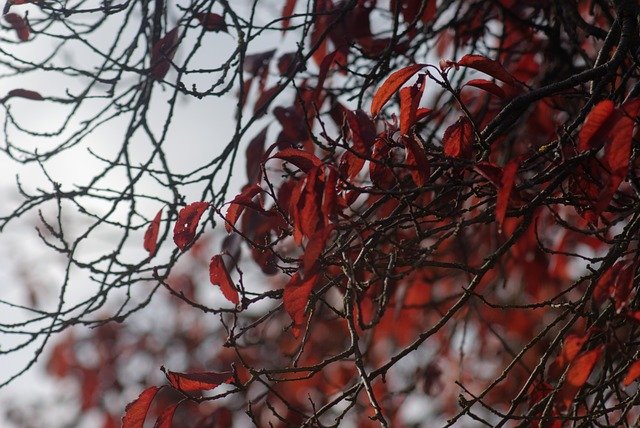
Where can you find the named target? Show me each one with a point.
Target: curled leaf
(197, 381)
(488, 66)
(219, 275)
(303, 160)
(18, 24)
(187, 224)
(151, 235)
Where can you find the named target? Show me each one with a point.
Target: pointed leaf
(577, 375)
(570, 349)
(487, 86)
(254, 153)
(238, 204)
(504, 193)
(633, 373)
(18, 24)
(166, 417)
(391, 85)
(218, 275)
(303, 160)
(595, 121)
(187, 224)
(197, 381)
(296, 298)
(212, 22)
(151, 235)
(458, 139)
(136, 411)
(488, 66)
(162, 53)
(287, 10)
(23, 93)
(409, 101)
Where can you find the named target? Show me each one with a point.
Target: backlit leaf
(504, 192)
(633, 373)
(594, 121)
(218, 275)
(409, 101)
(488, 66)
(166, 417)
(187, 223)
(458, 139)
(197, 381)
(296, 298)
(136, 411)
(303, 160)
(391, 85)
(487, 86)
(577, 375)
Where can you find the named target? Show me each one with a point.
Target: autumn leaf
(162, 53)
(166, 417)
(633, 373)
(488, 66)
(594, 122)
(254, 154)
(136, 411)
(18, 24)
(212, 22)
(151, 235)
(287, 10)
(409, 101)
(487, 86)
(504, 192)
(577, 375)
(391, 85)
(197, 381)
(296, 298)
(570, 349)
(458, 139)
(187, 224)
(238, 204)
(218, 275)
(303, 160)
(23, 93)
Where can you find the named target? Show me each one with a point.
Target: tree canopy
(439, 219)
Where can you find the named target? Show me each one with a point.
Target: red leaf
(577, 375)
(310, 203)
(188, 218)
(136, 411)
(166, 418)
(303, 160)
(488, 66)
(458, 139)
(487, 86)
(409, 101)
(594, 122)
(254, 154)
(417, 161)
(23, 93)
(296, 297)
(218, 275)
(490, 171)
(287, 10)
(632, 374)
(18, 24)
(197, 381)
(391, 85)
(264, 100)
(151, 235)
(570, 349)
(504, 193)
(238, 204)
(312, 252)
(162, 53)
(212, 22)
(363, 131)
